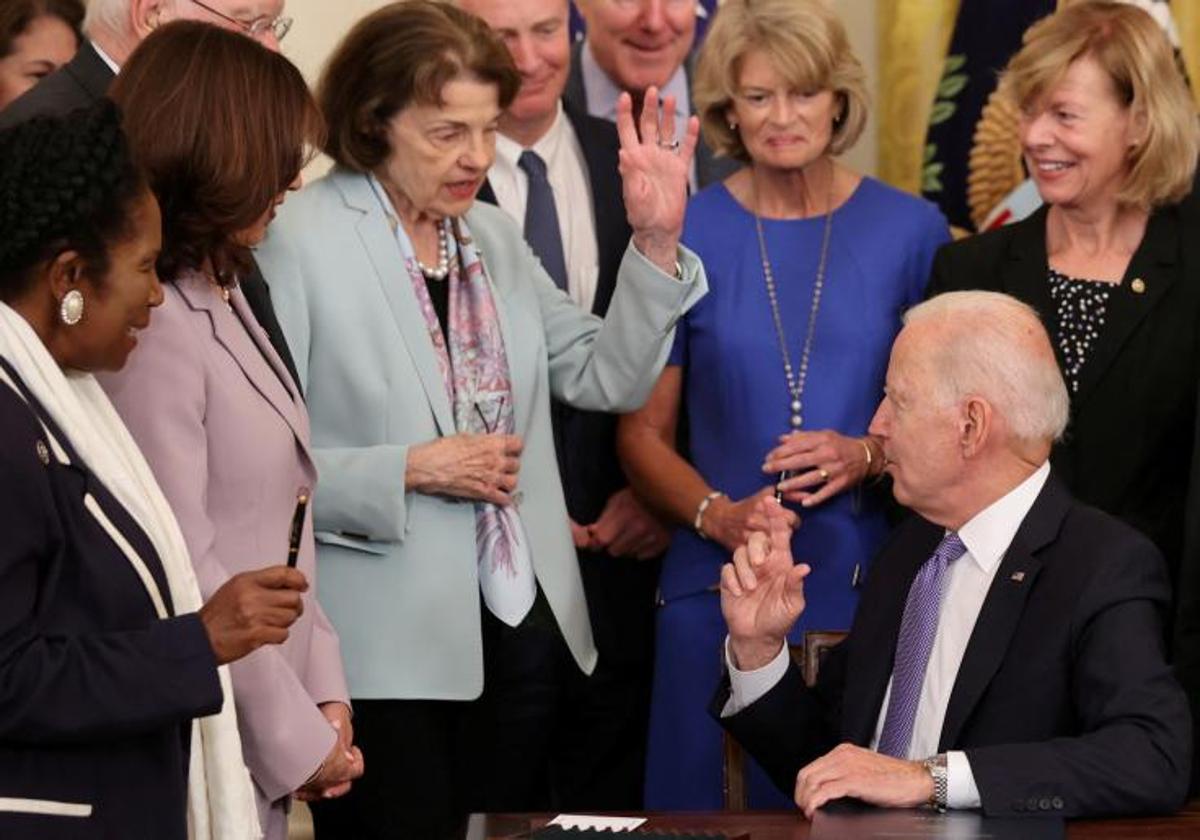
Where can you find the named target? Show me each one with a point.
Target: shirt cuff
(747, 686)
(960, 782)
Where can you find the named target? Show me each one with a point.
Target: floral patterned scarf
(474, 367)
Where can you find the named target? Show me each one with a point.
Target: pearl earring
(70, 311)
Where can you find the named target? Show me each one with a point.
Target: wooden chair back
(808, 656)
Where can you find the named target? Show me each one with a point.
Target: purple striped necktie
(917, 629)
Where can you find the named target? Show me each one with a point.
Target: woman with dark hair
(222, 126)
(112, 722)
(431, 341)
(36, 38)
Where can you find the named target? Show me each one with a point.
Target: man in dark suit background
(556, 174)
(631, 45)
(1008, 649)
(112, 30)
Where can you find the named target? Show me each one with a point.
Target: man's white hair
(990, 348)
(109, 15)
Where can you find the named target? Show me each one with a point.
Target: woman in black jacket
(1109, 135)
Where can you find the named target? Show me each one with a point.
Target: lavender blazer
(204, 397)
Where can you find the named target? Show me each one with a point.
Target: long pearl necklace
(795, 383)
(442, 269)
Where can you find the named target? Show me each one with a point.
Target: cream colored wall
(321, 23)
(859, 17)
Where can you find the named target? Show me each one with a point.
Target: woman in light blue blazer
(430, 341)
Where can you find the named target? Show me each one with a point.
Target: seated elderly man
(1007, 652)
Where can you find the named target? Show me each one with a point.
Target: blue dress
(737, 405)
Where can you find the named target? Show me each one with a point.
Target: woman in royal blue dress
(780, 368)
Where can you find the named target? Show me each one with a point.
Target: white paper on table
(610, 823)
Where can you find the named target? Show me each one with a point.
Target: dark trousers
(429, 763)
(604, 722)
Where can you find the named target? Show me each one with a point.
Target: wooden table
(785, 825)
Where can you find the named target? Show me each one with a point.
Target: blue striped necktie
(918, 628)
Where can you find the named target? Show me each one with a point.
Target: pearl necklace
(795, 384)
(442, 269)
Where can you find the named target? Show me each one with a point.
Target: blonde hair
(1132, 49)
(806, 43)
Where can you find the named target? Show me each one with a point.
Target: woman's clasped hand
(480, 467)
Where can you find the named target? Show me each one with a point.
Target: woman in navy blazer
(104, 659)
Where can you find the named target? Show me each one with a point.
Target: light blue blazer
(398, 570)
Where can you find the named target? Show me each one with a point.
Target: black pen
(297, 527)
(495, 424)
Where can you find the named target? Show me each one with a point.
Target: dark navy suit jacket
(97, 693)
(1064, 702)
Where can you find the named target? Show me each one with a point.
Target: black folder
(865, 823)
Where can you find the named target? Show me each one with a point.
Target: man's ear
(976, 425)
(147, 15)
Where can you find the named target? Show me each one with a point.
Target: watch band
(936, 767)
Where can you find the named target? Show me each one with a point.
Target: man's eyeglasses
(257, 28)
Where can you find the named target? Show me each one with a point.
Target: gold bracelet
(867, 449)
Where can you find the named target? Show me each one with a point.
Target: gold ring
(824, 475)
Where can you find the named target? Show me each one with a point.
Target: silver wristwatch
(936, 767)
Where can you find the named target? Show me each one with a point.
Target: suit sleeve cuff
(747, 686)
(961, 791)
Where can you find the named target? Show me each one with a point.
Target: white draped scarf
(220, 794)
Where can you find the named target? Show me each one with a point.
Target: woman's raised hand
(654, 174)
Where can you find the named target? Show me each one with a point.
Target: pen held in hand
(297, 529)
(491, 427)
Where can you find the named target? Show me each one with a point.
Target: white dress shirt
(602, 92)
(566, 170)
(106, 58)
(987, 537)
